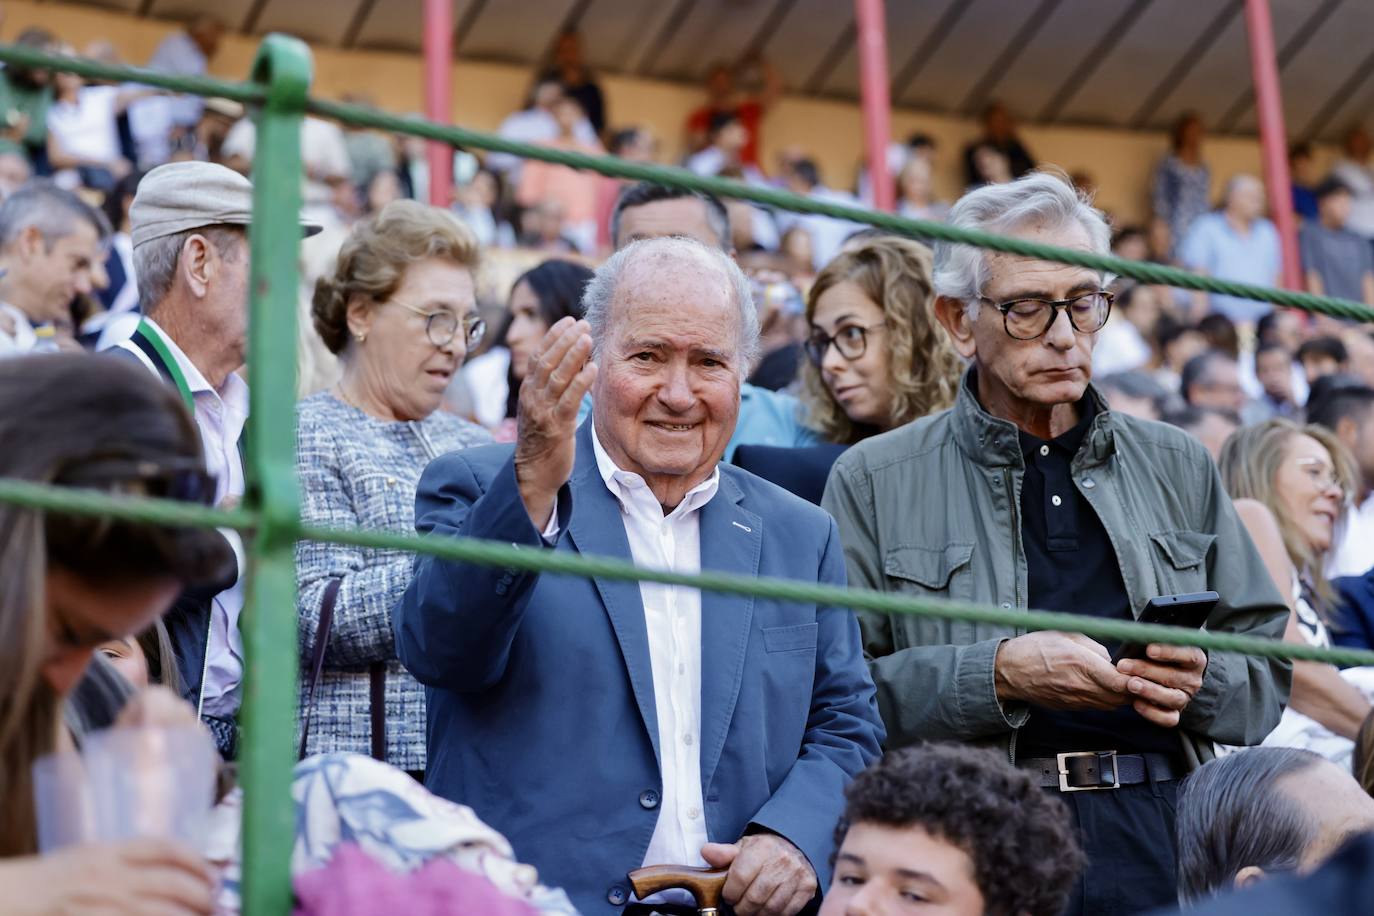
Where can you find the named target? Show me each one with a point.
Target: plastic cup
(62, 802)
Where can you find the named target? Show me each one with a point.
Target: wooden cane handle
(704, 884)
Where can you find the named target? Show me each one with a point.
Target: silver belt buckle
(1064, 786)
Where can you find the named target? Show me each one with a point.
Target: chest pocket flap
(1184, 549)
(929, 567)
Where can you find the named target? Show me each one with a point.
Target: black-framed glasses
(851, 340)
(442, 325)
(1027, 319)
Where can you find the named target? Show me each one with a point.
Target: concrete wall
(831, 131)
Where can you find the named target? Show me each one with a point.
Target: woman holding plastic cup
(71, 583)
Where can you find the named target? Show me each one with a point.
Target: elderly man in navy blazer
(602, 725)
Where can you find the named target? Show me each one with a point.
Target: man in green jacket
(1031, 493)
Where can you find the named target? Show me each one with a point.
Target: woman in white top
(83, 136)
(1292, 485)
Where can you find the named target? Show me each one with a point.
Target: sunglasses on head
(182, 478)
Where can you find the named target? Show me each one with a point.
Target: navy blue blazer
(541, 699)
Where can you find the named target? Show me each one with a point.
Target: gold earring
(361, 337)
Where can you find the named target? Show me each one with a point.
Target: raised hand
(560, 374)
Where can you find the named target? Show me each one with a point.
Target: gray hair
(1039, 198)
(51, 210)
(605, 283)
(156, 260)
(1231, 815)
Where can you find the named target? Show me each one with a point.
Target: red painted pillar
(1273, 138)
(438, 46)
(872, 36)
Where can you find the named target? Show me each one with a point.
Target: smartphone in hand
(1190, 610)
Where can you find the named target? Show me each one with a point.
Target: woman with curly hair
(877, 357)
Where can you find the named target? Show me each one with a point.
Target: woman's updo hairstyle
(374, 258)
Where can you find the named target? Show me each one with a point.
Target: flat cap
(181, 196)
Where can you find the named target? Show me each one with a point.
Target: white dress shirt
(220, 415)
(16, 332)
(672, 616)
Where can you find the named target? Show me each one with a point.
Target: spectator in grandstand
(826, 233)
(542, 229)
(1211, 379)
(538, 300)
(1031, 455)
(1124, 343)
(724, 154)
(206, 142)
(633, 144)
(953, 829)
(1207, 425)
(999, 135)
(572, 189)
(1262, 812)
(1131, 242)
(577, 80)
(49, 253)
(991, 165)
(1134, 392)
(782, 324)
(14, 171)
(876, 357)
(189, 223)
(1182, 183)
(1290, 484)
(1177, 343)
(1347, 412)
(1302, 169)
(158, 123)
(370, 151)
(724, 98)
(916, 191)
(25, 97)
(1322, 356)
(475, 203)
(1355, 170)
(1359, 351)
(674, 328)
(324, 160)
(83, 140)
(1236, 242)
(119, 296)
(1336, 261)
(649, 211)
(71, 583)
(1274, 371)
(535, 123)
(399, 311)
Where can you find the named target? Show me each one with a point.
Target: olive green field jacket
(932, 510)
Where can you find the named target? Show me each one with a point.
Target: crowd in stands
(562, 361)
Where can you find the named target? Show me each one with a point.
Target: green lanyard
(169, 363)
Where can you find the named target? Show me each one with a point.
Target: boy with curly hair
(955, 830)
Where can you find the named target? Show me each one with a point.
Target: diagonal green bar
(491, 553)
(268, 715)
(122, 73)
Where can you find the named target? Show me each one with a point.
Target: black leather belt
(1086, 771)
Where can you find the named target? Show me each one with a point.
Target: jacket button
(1006, 605)
(617, 895)
(1089, 483)
(648, 799)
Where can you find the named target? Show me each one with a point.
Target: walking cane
(704, 884)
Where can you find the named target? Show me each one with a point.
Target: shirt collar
(1068, 442)
(234, 391)
(625, 486)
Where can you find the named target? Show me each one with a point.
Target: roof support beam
(1185, 64)
(1093, 60)
(926, 49)
(1296, 43)
(983, 89)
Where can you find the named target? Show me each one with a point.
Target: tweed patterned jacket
(358, 471)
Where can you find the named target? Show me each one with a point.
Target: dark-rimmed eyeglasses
(1027, 319)
(441, 325)
(851, 340)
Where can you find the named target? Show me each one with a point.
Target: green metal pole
(269, 620)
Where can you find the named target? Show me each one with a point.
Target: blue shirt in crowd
(1213, 246)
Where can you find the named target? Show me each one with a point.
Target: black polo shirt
(1071, 567)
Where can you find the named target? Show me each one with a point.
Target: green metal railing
(277, 96)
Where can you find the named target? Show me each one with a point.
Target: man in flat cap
(189, 223)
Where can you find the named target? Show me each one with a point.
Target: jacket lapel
(731, 536)
(596, 527)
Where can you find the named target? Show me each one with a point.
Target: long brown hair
(60, 416)
(895, 273)
(1249, 464)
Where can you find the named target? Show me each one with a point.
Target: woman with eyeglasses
(70, 584)
(399, 310)
(1291, 485)
(877, 358)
